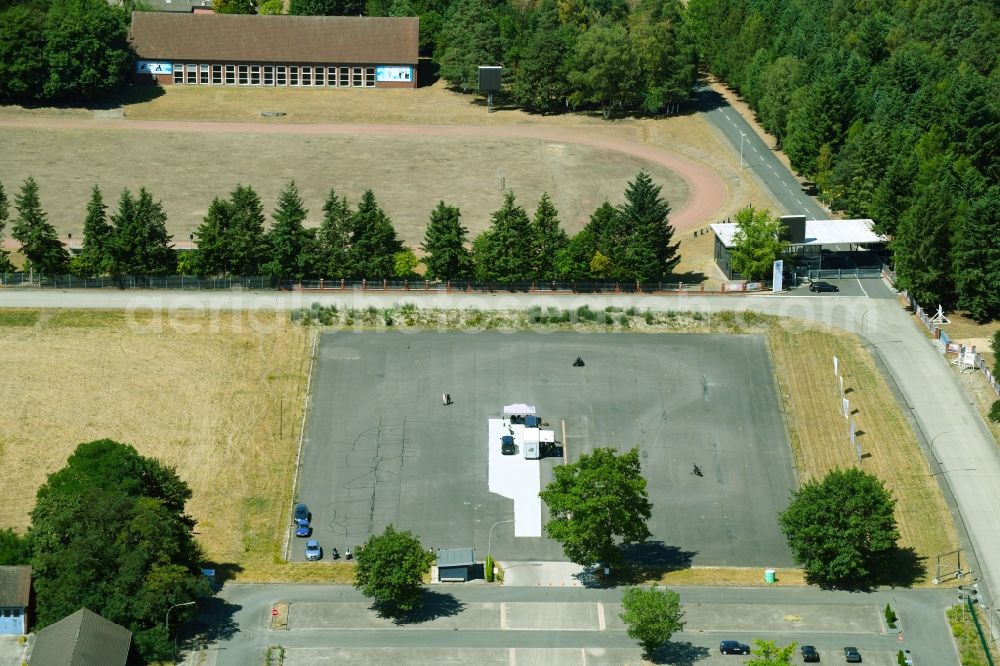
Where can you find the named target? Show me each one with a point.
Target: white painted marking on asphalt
(862, 287)
(583, 656)
(512, 657)
(503, 615)
(600, 616)
(800, 202)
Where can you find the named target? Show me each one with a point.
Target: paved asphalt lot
(488, 624)
(851, 287)
(380, 447)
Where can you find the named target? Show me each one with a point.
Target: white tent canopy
(519, 409)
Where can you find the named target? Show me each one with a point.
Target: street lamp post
(743, 136)
(489, 542)
(166, 623)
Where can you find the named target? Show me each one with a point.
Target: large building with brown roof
(297, 51)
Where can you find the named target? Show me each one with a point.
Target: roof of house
(82, 639)
(255, 38)
(456, 557)
(818, 232)
(15, 586)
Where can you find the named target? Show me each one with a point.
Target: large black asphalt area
(380, 447)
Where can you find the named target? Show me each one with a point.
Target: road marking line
(583, 656)
(503, 615)
(600, 616)
(862, 287)
(512, 657)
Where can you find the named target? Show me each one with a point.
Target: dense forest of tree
(893, 108)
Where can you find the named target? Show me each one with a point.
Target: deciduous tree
(40, 246)
(767, 653)
(13, 548)
(326, 7)
(87, 52)
(842, 529)
(109, 532)
(651, 616)
(757, 243)
(446, 256)
(391, 568)
(596, 502)
(603, 70)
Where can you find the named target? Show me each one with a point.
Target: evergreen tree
(977, 258)
(212, 256)
(140, 244)
(289, 242)
(334, 238)
(502, 253)
(470, 38)
(641, 236)
(246, 240)
(326, 7)
(95, 258)
(444, 244)
(5, 264)
(40, 246)
(373, 240)
(541, 79)
(548, 239)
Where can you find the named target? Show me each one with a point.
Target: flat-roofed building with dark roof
(276, 51)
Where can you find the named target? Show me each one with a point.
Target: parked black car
(733, 647)
(823, 286)
(507, 447)
(809, 653)
(852, 655)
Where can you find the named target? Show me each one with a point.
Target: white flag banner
(847, 407)
(858, 449)
(836, 366)
(777, 274)
(854, 429)
(841, 378)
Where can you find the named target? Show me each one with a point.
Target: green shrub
(584, 313)
(649, 317)
(890, 616)
(995, 412)
(632, 311)
(489, 568)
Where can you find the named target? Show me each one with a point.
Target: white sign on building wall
(385, 73)
(151, 67)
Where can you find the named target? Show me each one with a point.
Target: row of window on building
(274, 75)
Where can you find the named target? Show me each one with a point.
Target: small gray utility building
(455, 564)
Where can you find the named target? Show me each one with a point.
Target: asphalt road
(758, 157)
(494, 624)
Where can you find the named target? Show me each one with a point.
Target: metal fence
(261, 283)
(834, 273)
(927, 320)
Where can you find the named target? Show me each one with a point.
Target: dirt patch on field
(411, 147)
(218, 396)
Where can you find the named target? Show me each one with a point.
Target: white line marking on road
(600, 616)
(583, 656)
(799, 201)
(862, 287)
(512, 657)
(503, 615)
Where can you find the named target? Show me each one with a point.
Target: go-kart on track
(707, 192)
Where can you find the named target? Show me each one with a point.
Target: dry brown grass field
(408, 173)
(819, 432)
(217, 396)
